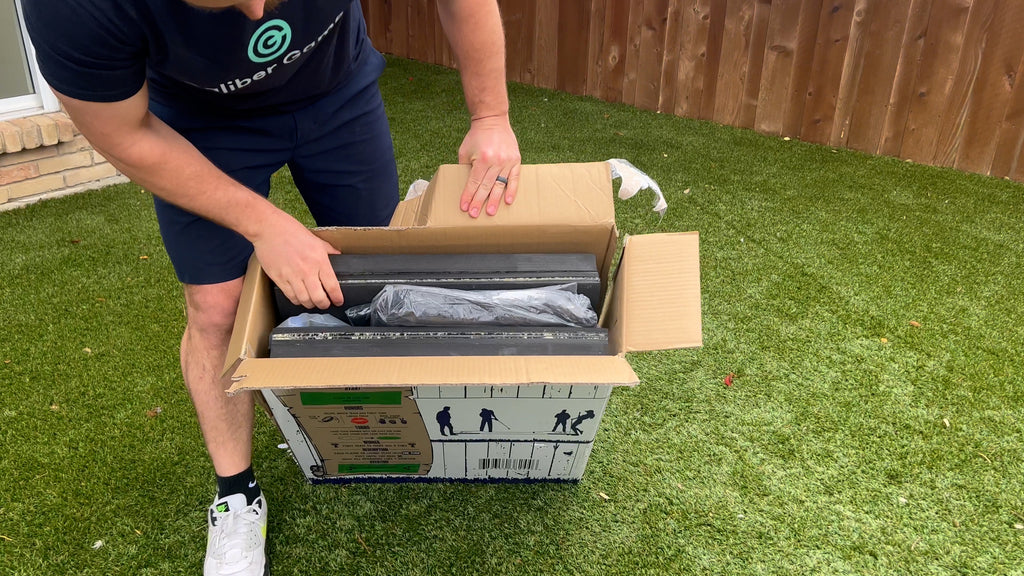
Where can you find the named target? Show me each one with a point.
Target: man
(444, 420)
(561, 419)
(200, 101)
(487, 417)
(575, 427)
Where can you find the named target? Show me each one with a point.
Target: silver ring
(501, 179)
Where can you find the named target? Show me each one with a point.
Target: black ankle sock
(242, 483)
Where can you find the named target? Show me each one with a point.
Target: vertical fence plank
(398, 39)
(571, 71)
(694, 24)
(1018, 166)
(441, 49)
(409, 26)
(826, 71)
(755, 62)
(421, 30)
(904, 86)
(546, 45)
(990, 98)
(887, 28)
(716, 34)
(939, 57)
(429, 38)
(670, 67)
(732, 71)
(613, 51)
(1010, 135)
(512, 24)
(528, 42)
(595, 48)
(803, 60)
(632, 56)
(961, 91)
(777, 70)
(850, 77)
(652, 53)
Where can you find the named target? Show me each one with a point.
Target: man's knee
(211, 308)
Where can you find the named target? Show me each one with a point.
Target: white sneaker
(237, 537)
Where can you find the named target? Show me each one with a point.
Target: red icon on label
(360, 421)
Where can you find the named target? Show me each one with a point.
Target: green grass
(830, 454)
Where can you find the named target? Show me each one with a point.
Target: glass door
(22, 91)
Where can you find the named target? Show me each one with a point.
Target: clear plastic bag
(309, 320)
(359, 315)
(404, 305)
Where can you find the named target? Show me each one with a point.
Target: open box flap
(656, 294)
(548, 195)
(264, 373)
(254, 318)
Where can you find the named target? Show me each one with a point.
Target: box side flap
(253, 320)
(411, 212)
(548, 194)
(656, 294)
(605, 271)
(262, 373)
(406, 212)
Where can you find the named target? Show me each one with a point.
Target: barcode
(509, 464)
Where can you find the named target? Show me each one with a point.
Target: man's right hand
(297, 261)
(159, 159)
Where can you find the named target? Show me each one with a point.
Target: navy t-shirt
(198, 59)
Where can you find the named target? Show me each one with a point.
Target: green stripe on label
(378, 468)
(389, 438)
(380, 398)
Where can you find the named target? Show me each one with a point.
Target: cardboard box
(497, 418)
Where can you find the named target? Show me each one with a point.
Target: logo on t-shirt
(270, 41)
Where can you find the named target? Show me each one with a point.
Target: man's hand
(296, 260)
(493, 151)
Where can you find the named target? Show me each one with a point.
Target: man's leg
(226, 421)
(210, 262)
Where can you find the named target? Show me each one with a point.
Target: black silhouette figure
(579, 419)
(444, 418)
(487, 418)
(561, 419)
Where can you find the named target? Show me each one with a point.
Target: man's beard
(271, 5)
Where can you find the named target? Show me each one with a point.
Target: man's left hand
(493, 151)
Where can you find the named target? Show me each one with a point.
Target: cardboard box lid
(548, 195)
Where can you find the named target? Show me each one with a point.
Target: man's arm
(156, 157)
(475, 33)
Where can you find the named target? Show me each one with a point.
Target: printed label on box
(454, 432)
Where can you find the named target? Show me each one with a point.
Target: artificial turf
(868, 308)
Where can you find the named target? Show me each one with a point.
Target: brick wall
(45, 155)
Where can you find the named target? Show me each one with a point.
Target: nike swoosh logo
(252, 484)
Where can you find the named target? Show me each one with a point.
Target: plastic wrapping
(359, 315)
(404, 305)
(634, 180)
(308, 320)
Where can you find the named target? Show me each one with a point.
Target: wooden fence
(933, 81)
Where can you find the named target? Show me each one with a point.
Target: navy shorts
(339, 152)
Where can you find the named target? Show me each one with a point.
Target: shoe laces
(236, 532)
